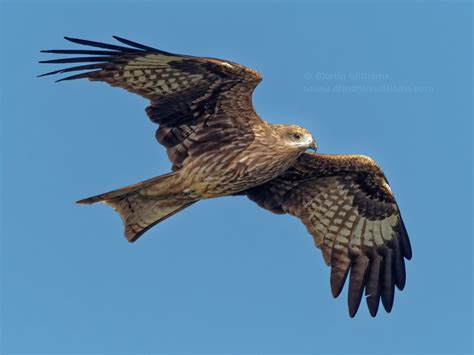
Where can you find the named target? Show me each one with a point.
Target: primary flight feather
(219, 146)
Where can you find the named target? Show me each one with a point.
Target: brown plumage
(219, 146)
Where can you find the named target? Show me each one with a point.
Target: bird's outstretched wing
(194, 100)
(348, 207)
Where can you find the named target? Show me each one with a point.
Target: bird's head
(297, 137)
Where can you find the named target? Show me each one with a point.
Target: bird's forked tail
(143, 205)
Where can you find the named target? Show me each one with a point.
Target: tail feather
(139, 214)
(162, 182)
(141, 206)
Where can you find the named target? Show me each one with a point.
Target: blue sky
(389, 80)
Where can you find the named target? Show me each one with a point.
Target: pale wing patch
(152, 60)
(154, 75)
(336, 223)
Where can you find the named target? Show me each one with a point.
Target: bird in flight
(219, 146)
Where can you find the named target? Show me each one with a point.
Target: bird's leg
(191, 193)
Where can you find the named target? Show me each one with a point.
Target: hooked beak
(313, 146)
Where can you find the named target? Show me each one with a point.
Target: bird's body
(219, 146)
(229, 170)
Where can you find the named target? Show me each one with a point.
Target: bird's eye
(297, 136)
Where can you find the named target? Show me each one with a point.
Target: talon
(190, 193)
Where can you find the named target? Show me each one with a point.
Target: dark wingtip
(404, 239)
(77, 60)
(372, 288)
(399, 270)
(388, 285)
(51, 73)
(140, 46)
(89, 200)
(388, 306)
(373, 306)
(353, 308)
(72, 77)
(358, 277)
(336, 289)
(78, 40)
(339, 272)
(86, 42)
(401, 285)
